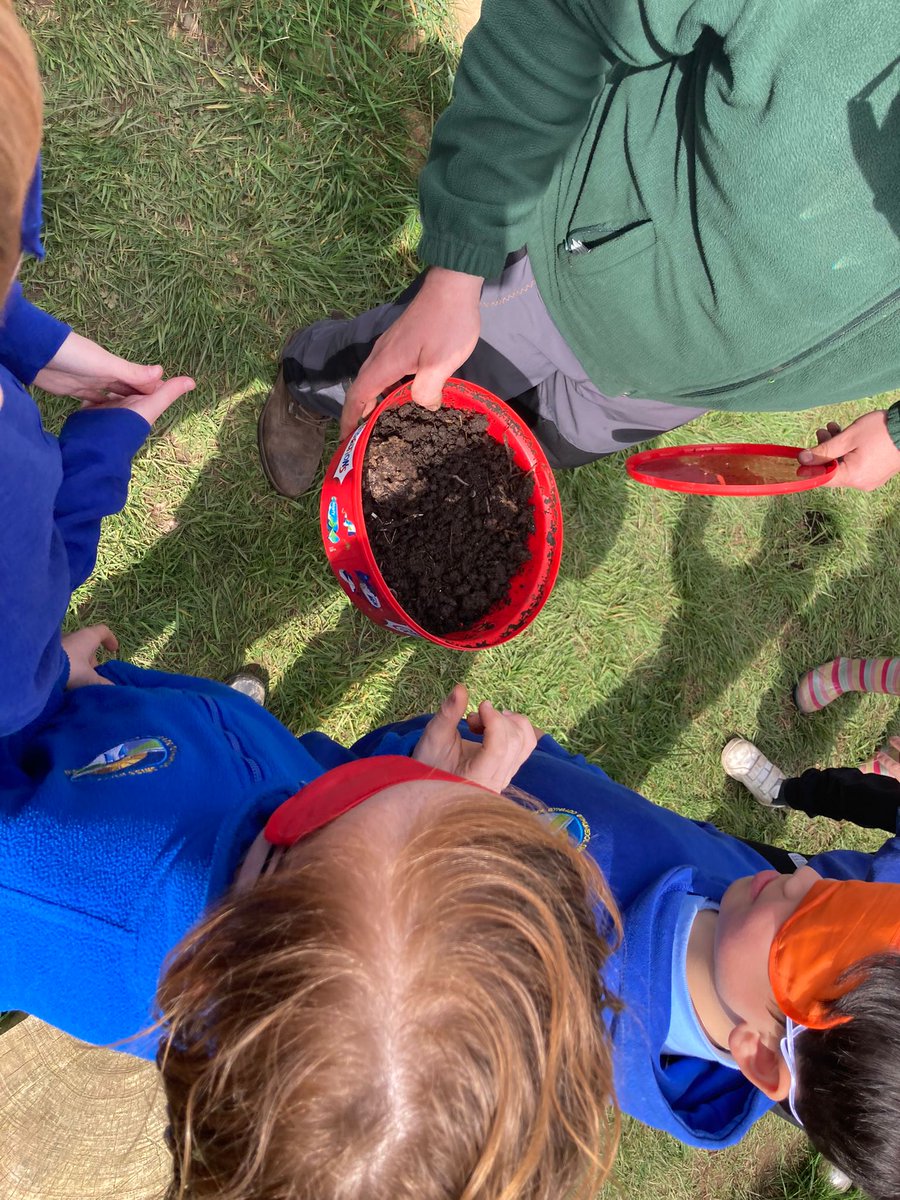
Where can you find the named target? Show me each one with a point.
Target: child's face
(753, 909)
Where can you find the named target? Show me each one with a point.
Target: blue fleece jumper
(53, 494)
(125, 812)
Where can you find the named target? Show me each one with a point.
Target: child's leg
(841, 793)
(886, 761)
(825, 683)
(844, 794)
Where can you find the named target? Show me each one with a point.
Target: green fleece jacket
(709, 189)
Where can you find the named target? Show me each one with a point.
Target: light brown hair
(432, 1028)
(20, 136)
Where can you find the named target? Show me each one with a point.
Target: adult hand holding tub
(702, 231)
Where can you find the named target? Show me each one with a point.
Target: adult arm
(530, 72)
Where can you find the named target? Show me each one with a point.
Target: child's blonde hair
(20, 136)
(432, 1028)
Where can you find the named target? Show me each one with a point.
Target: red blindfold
(342, 788)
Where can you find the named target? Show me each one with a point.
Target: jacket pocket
(592, 249)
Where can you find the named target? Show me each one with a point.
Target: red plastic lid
(730, 469)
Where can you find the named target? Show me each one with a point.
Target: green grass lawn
(216, 177)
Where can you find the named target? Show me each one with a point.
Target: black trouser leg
(845, 794)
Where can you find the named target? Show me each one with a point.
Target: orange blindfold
(839, 923)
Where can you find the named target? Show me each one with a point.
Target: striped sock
(824, 684)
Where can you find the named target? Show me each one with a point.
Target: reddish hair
(20, 136)
(431, 1027)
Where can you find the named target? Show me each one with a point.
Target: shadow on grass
(726, 614)
(698, 656)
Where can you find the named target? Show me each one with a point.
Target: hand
(865, 451)
(81, 650)
(150, 407)
(508, 740)
(430, 340)
(84, 370)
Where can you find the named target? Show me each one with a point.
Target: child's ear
(759, 1061)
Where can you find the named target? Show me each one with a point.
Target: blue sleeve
(886, 862)
(97, 447)
(29, 337)
(399, 738)
(549, 745)
(34, 575)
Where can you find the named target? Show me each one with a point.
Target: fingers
(153, 406)
(142, 378)
(509, 739)
(108, 639)
(439, 744)
(453, 706)
(97, 637)
(829, 448)
(427, 388)
(831, 430)
(356, 408)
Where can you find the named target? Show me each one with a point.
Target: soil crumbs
(448, 514)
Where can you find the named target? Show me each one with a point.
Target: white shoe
(252, 683)
(837, 1179)
(749, 766)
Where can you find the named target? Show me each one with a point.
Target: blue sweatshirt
(125, 812)
(53, 494)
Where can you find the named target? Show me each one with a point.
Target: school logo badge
(566, 820)
(138, 756)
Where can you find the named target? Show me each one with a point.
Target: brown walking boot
(291, 441)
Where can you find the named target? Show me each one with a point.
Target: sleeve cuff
(120, 428)
(455, 255)
(29, 337)
(892, 419)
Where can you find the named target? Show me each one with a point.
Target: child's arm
(34, 573)
(52, 497)
(96, 450)
(29, 337)
(37, 348)
(97, 445)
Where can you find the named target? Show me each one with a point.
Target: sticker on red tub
(334, 531)
(345, 464)
(398, 627)
(365, 586)
(348, 580)
(349, 526)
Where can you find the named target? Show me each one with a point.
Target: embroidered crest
(566, 820)
(137, 756)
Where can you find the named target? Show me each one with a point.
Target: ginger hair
(20, 136)
(433, 1027)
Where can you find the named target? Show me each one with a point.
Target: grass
(216, 178)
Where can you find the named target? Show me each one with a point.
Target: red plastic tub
(350, 555)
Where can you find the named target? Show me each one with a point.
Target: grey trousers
(520, 357)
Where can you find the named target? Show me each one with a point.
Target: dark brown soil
(447, 512)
